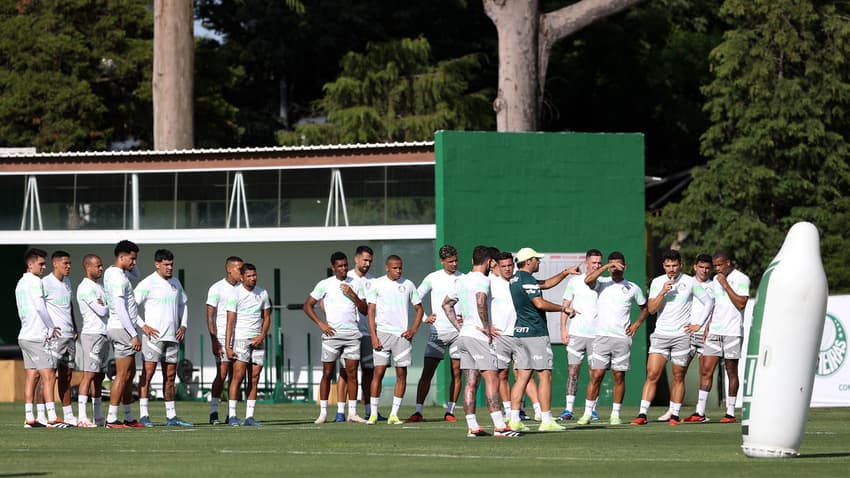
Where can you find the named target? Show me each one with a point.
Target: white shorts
(37, 354)
(121, 343)
(95, 352)
(395, 345)
(534, 353)
(507, 350)
(611, 353)
(157, 351)
(345, 343)
(64, 350)
(477, 354)
(248, 354)
(676, 350)
(725, 346)
(578, 348)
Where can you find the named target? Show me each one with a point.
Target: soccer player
(670, 296)
(388, 325)
(35, 339)
(165, 304)
(362, 281)
(702, 269)
(121, 330)
(477, 354)
(248, 321)
(725, 335)
(579, 334)
(340, 335)
(217, 326)
(535, 351)
(443, 335)
(612, 346)
(57, 289)
(93, 341)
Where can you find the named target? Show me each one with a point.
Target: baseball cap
(527, 253)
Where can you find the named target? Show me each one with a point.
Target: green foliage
(75, 74)
(392, 92)
(778, 144)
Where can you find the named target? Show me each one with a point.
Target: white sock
(536, 407)
(231, 408)
(396, 406)
(675, 408)
(170, 409)
(340, 406)
(419, 408)
(571, 401)
(97, 404)
(28, 412)
(546, 416)
(323, 407)
(730, 406)
(514, 415)
(82, 405)
(615, 409)
(112, 415)
(50, 408)
(249, 409)
(644, 407)
(472, 422)
(214, 405)
(352, 408)
(40, 411)
(701, 399)
(128, 413)
(450, 407)
(68, 412)
(374, 402)
(589, 405)
(498, 420)
(507, 407)
(143, 408)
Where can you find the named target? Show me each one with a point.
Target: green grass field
(290, 444)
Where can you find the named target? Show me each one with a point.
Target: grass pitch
(290, 444)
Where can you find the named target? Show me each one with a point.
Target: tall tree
(74, 74)
(778, 144)
(173, 65)
(526, 37)
(393, 92)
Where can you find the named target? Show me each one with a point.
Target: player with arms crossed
(93, 341)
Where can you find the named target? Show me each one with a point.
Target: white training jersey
(466, 291)
(675, 311)
(502, 311)
(249, 306)
(340, 311)
(728, 319)
(88, 294)
(28, 291)
(217, 297)
(614, 306)
(363, 284)
(697, 306)
(439, 284)
(391, 298)
(583, 300)
(165, 305)
(57, 298)
(118, 293)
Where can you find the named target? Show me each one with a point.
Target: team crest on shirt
(624, 289)
(682, 287)
(401, 288)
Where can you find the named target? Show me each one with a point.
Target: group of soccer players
(489, 320)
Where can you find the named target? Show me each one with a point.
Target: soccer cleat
(477, 433)
(505, 433)
(523, 416)
(58, 424)
(538, 416)
(594, 416)
(214, 418)
(550, 427)
(372, 420)
(356, 419)
(449, 417)
(665, 417)
(394, 420)
(177, 422)
(116, 424)
(100, 422)
(517, 426)
(416, 417)
(728, 419)
(381, 418)
(615, 420)
(134, 424)
(696, 418)
(34, 424)
(340, 417)
(674, 420)
(640, 420)
(233, 422)
(85, 424)
(70, 420)
(565, 415)
(250, 422)
(322, 419)
(145, 421)
(584, 420)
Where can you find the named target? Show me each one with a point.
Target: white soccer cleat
(356, 419)
(665, 417)
(322, 419)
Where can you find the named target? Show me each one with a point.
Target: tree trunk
(525, 41)
(173, 60)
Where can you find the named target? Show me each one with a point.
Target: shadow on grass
(33, 473)
(817, 455)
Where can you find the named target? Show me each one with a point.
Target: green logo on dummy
(833, 347)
